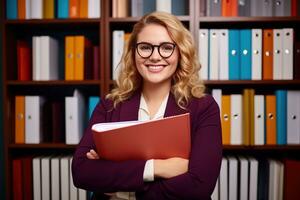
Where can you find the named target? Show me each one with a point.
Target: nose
(155, 54)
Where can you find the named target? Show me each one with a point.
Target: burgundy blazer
(204, 162)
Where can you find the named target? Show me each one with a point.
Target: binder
(267, 8)
(49, 9)
(226, 119)
(230, 8)
(248, 116)
(36, 174)
(74, 8)
(281, 118)
(214, 54)
(118, 45)
(244, 178)
(46, 177)
(94, 9)
(224, 58)
(55, 177)
(64, 179)
(21, 9)
(282, 8)
(74, 118)
(12, 9)
(49, 58)
(69, 57)
(275, 179)
(236, 137)
(62, 9)
(256, 8)
(81, 44)
(214, 7)
(244, 8)
(20, 119)
(37, 9)
(234, 54)
(256, 54)
(271, 119)
(136, 8)
(278, 54)
(253, 178)
(164, 5)
(223, 179)
(259, 120)
(293, 117)
(267, 54)
(245, 53)
(203, 53)
(83, 9)
(233, 178)
(288, 42)
(33, 126)
(144, 140)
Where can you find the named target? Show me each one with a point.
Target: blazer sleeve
(204, 163)
(103, 175)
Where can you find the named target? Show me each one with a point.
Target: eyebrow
(155, 44)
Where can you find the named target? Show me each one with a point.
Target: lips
(155, 68)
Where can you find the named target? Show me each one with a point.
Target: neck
(156, 92)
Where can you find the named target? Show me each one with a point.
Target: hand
(171, 167)
(92, 154)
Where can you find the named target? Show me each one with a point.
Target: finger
(94, 153)
(90, 156)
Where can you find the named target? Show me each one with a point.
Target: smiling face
(156, 69)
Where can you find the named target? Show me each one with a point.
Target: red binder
(154, 139)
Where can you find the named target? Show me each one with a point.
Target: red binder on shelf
(144, 140)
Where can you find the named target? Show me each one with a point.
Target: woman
(158, 78)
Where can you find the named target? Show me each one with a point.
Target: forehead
(154, 34)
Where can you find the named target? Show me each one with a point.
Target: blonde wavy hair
(185, 81)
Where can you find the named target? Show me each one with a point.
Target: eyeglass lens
(165, 49)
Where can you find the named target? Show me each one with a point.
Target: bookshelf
(99, 31)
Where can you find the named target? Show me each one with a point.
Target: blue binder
(93, 101)
(281, 111)
(62, 9)
(234, 57)
(11, 9)
(246, 54)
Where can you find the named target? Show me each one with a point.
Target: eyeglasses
(165, 49)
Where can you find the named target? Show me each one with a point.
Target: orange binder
(81, 43)
(225, 119)
(69, 58)
(248, 116)
(73, 8)
(267, 54)
(154, 139)
(20, 119)
(229, 8)
(21, 9)
(270, 119)
(48, 9)
(83, 9)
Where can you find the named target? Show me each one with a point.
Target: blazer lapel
(129, 109)
(172, 107)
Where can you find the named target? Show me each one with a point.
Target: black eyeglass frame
(158, 48)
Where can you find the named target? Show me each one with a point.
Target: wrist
(157, 164)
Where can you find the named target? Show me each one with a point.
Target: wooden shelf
(253, 82)
(42, 146)
(53, 83)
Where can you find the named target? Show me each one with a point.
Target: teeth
(154, 67)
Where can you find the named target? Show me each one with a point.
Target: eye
(145, 47)
(167, 47)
